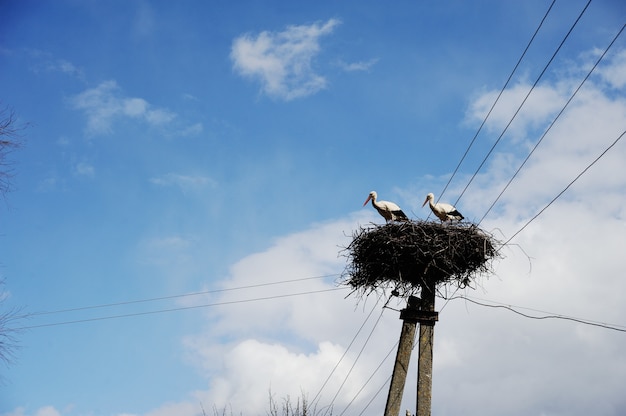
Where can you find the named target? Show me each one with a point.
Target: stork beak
(367, 200)
(424, 202)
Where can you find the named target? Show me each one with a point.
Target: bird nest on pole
(410, 256)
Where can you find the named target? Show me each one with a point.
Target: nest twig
(410, 256)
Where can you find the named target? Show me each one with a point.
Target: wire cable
(357, 357)
(375, 395)
(547, 312)
(522, 103)
(552, 124)
(496, 101)
(345, 352)
(182, 308)
(566, 188)
(205, 292)
(552, 316)
(370, 377)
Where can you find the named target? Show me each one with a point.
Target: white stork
(445, 212)
(389, 210)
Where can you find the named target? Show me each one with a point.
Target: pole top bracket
(422, 317)
(414, 312)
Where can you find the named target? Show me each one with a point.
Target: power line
(345, 353)
(549, 313)
(357, 357)
(552, 124)
(566, 188)
(370, 377)
(205, 292)
(183, 308)
(497, 99)
(552, 316)
(375, 395)
(522, 103)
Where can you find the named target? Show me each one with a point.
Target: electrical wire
(547, 312)
(205, 292)
(551, 316)
(496, 101)
(370, 377)
(375, 395)
(357, 357)
(566, 188)
(552, 124)
(183, 308)
(523, 102)
(345, 352)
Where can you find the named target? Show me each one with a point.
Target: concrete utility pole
(427, 318)
(403, 356)
(420, 311)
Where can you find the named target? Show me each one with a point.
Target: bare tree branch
(9, 321)
(10, 139)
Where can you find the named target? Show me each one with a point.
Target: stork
(388, 210)
(445, 212)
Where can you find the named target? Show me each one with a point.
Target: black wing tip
(456, 215)
(400, 215)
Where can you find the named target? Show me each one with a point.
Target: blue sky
(182, 147)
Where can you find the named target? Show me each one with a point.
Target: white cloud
(43, 411)
(66, 67)
(46, 62)
(20, 411)
(134, 107)
(190, 97)
(614, 74)
(192, 130)
(47, 411)
(144, 23)
(252, 363)
(159, 116)
(161, 250)
(282, 61)
(85, 169)
(63, 141)
(357, 66)
(544, 102)
(187, 183)
(105, 103)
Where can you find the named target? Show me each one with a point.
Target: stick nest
(410, 256)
